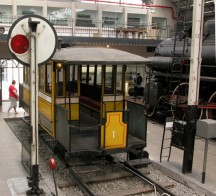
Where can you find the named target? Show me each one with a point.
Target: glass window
(86, 18)
(72, 79)
(48, 78)
(26, 10)
(60, 82)
(119, 79)
(41, 77)
(109, 76)
(83, 74)
(91, 74)
(60, 16)
(76, 72)
(99, 75)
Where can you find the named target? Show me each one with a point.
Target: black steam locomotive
(168, 78)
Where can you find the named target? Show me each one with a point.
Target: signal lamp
(19, 44)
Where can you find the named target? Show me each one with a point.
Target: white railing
(99, 29)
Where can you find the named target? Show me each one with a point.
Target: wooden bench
(90, 97)
(90, 103)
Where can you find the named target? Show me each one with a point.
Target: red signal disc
(19, 44)
(52, 164)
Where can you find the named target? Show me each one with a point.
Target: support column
(99, 20)
(73, 17)
(45, 8)
(194, 78)
(14, 9)
(125, 17)
(149, 22)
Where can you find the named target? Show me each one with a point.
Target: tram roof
(97, 55)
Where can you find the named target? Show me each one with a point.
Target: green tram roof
(99, 56)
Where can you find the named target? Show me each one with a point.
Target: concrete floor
(12, 172)
(154, 138)
(13, 175)
(10, 151)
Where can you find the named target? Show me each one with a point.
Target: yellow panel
(115, 132)
(26, 96)
(113, 105)
(45, 108)
(74, 111)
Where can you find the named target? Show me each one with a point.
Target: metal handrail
(84, 28)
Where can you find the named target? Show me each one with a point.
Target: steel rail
(157, 186)
(81, 184)
(85, 188)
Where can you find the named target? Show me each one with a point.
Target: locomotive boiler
(168, 77)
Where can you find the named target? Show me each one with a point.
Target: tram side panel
(62, 127)
(137, 124)
(44, 104)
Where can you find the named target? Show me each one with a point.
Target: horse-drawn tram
(82, 101)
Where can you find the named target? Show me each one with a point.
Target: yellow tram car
(82, 100)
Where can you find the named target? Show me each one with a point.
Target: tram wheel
(211, 113)
(138, 154)
(60, 150)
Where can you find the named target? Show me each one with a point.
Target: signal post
(24, 38)
(194, 78)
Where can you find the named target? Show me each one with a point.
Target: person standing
(13, 96)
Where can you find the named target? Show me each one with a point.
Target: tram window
(132, 73)
(99, 75)
(91, 74)
(41, 77)
(83, 74)
(119, 79)
(109, 79)
(71, 80)
(59, 82)
(48, 78)
(75, 72)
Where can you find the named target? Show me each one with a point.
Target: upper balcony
(87, 31)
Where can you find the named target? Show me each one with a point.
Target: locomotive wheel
(178, 110)
(180, 106)
(211, 113)
(149, 110)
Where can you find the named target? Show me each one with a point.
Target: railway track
(99, 170)
(99, 175)
(85, 175)
(125, 172)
